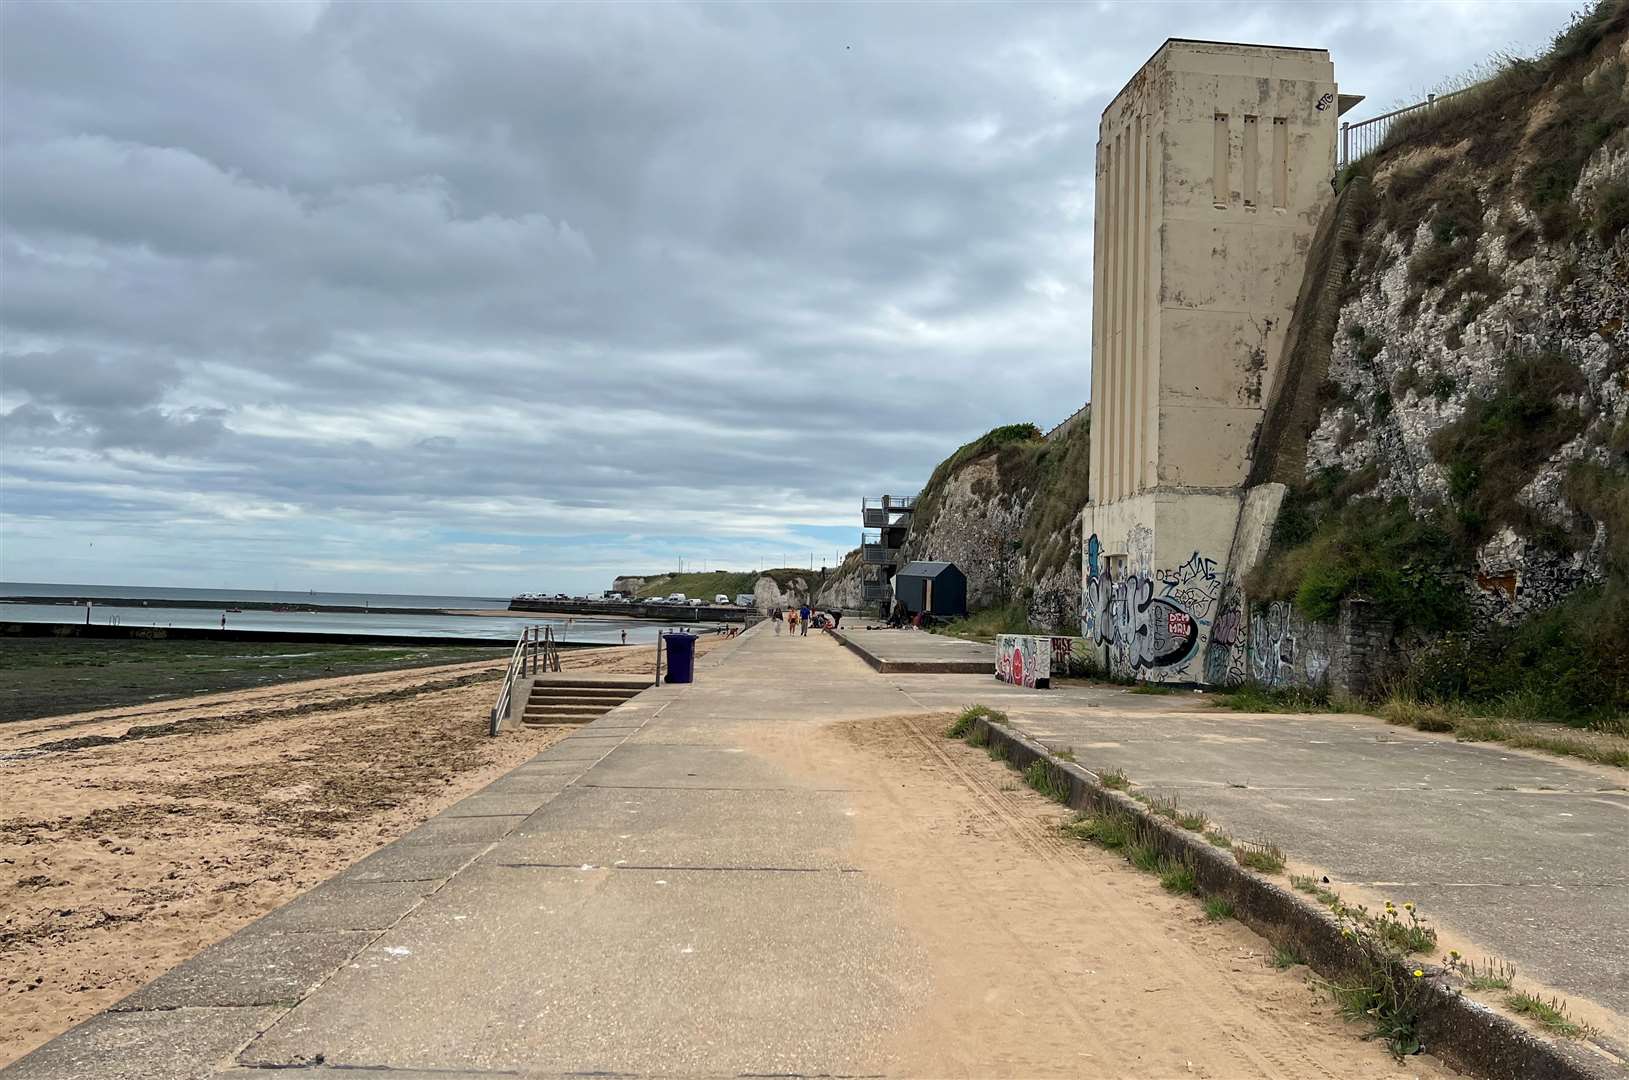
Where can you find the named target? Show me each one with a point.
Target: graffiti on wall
(1148, 619)
(1224, 652)
(1024, 660)
(1285, 649)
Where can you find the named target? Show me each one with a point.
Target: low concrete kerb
(1464, 1032)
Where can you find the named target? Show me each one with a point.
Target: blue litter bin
(681, 657)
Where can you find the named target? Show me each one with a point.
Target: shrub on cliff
(1332, 541)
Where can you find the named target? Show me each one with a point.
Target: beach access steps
(555, 698)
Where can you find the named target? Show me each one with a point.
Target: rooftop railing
(1365, 136)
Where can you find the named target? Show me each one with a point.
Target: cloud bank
(491, 298)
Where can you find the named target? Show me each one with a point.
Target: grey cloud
(363, 260)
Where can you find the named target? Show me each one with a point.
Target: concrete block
(250, 969)
(174, 1044)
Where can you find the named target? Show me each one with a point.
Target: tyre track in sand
(1126, 980)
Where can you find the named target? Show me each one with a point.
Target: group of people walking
(799, 621)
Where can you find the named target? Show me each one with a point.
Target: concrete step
(573, 699)
(559, 718)
(546, 716)
(596, 692)
(632, 683)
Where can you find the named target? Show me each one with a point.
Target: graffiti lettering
(1147, 622)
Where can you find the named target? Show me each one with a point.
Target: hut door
(927, 596)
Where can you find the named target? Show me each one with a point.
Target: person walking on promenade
(803, 615)
(775, 618)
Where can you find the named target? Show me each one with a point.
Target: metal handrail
(1364, 137)
(535, 650)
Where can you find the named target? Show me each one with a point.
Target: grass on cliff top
(927, 502)
(1486, 123)
(1051, 477)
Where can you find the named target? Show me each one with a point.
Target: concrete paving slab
(1509, 845)
(890, 651)
(687, 766)
(544, 766)
(172, 1044)
(249, 969)
(412, 862)
(517, 783)
(483, 804)
(738, 972)
(339, 906)
(672, 827)
(461, 830)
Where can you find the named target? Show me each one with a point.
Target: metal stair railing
(536, 650)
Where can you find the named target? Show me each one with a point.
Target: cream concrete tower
(1213, 168)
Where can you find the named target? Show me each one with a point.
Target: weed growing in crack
(1551, 1015)
(1403, 930)
(1066, 754)
(1219, 839)
(1113, 831)
(1193, 821)
(1489, 976)
(1115, 779)
(1266, 857)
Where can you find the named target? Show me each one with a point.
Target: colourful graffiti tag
(1147, 622)
(1022, 659)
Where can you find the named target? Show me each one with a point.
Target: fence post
(1346, 144)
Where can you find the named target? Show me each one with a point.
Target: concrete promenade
(1514, 853)
(783, 869)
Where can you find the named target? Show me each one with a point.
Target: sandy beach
(131, 838)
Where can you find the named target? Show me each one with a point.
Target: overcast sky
(483, 299)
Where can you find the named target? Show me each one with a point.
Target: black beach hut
(937, 588)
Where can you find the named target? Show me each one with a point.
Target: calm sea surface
(155, 613)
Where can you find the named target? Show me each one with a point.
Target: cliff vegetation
(1468, 469)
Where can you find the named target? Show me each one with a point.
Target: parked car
(721, 599)
(676, 598)
(745, 599)
(697, 601)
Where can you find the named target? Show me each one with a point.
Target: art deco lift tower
(1213, 168)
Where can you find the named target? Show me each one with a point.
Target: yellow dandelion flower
(1418, 973)
(1408, 905)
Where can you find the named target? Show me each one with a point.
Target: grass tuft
(1176, 876)
(1218, 908)
(1113, 778)
(1551, 1015)
(1286, 956)
(1143, 856)
(1112, 831)
(963, 724)
(1047, 779)
(1268, 858)
(1219, 839)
